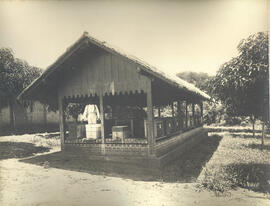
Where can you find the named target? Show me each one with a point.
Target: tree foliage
(15, 75)
(242, 83)
(213, 111)
(74, 109)
(200, 80)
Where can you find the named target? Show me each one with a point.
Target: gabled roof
(151, 70)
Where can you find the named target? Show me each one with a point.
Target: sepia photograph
(134, 103)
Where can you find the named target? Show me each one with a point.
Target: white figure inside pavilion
(91, 113)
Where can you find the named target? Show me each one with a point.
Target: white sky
(175, 36)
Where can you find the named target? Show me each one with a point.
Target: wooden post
(102, 117)
(186, 114)
(193, 115)
(150, 119)
(173, 117)
(201, 105)
(263, 133)
(159, 112)
(132, 127)
(61, 121)
(179, 114)
(145, 128)
(172, 109)
(45, 117)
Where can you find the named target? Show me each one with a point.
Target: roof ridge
(173, 79)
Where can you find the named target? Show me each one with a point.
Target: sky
(174, 36)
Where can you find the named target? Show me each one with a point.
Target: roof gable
(86, 39)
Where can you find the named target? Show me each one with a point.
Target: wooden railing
(167, 126)
(164, 127)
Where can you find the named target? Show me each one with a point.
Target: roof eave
(70, 50)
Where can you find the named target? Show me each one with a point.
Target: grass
(20, 146)
(239, 161)
(46, 139)
(19, 150)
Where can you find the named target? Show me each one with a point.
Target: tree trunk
(263, 133)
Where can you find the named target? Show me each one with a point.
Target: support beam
(201, 105)
(179, 117)
(186, 113)
(173, 115)
(102, 117)
(61, 121)
(150, 119)
(193, 115)
(45, 116)
(132, 127)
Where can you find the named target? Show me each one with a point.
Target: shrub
(223, 178)
(251, 176)
(214, 180)
(233, 120)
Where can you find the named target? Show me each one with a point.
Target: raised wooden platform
(166, 150)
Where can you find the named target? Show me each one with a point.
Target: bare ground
(41, 183)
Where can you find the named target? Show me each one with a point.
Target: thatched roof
(151, 70)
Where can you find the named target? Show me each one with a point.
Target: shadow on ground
(19, 150)
(185, 169)
(189, 166)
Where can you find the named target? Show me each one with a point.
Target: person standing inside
(91, 113)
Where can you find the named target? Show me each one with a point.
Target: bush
(250, 176)
(223, 178)
(214, 179)
(233, 120)
(213, 112)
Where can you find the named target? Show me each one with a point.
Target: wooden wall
(4, 117)
(99, 71)
(28, 119)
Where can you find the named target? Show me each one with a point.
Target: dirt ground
(40, 183)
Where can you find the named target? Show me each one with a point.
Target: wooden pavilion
(93, 72)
